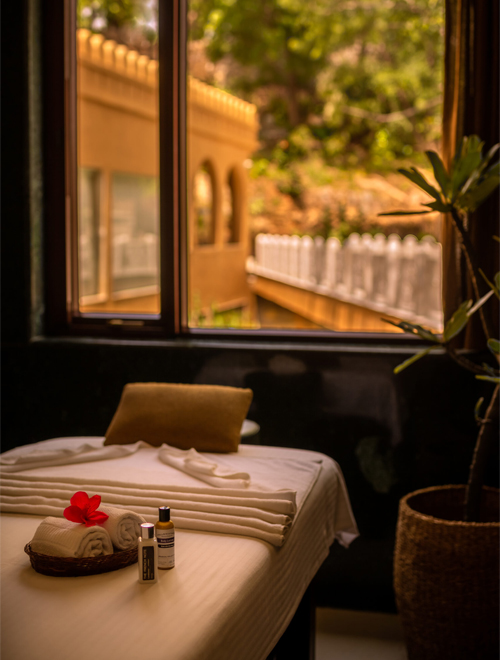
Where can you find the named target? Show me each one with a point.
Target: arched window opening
(230, 209)
(203, 205)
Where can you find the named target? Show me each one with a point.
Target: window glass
(118, 136)
(300, 115)
(317, 105)
(134, 213)
(89, 232)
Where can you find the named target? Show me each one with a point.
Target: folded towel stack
(123, 527)
(27, 458)
(59, 537)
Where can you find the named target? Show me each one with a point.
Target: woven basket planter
(446, 576)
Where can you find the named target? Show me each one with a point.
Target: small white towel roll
(123, 526)
(59, 537)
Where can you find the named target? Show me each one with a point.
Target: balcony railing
(397, 277)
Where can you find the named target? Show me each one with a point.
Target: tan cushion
(206, 417)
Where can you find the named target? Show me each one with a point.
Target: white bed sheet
(228, 598)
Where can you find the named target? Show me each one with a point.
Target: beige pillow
(206, 417)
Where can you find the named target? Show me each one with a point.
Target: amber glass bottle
(165, 535)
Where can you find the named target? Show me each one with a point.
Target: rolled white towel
(59, 537)
(123, 526)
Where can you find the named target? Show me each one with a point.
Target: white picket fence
(394, 276)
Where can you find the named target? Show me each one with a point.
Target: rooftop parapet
(106, 54)
(211, 98)
(115, 57)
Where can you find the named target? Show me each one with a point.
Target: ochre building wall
(117, 106)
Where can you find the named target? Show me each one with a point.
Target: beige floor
(347, 635)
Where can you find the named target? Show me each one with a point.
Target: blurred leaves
(458, 321)
(412, 359)
(494, 346)
(465, 187)
(365, 77)
(477, 410)
(415, 329)
(469, 181)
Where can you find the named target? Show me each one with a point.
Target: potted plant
(447, 539)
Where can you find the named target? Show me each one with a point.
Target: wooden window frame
(62, 316)
(59, 145)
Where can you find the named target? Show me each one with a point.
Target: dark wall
(390, 434)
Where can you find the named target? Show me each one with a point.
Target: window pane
(311, 108)
(117, 146)
(135, 233)
(88, 232)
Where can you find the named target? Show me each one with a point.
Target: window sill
(395, 344)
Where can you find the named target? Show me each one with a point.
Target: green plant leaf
(481, 174)
(405, 213)
(490, 379)
(476, 195)
(439, 206)
(457, 322)
(427, 334)
(489, 370)
(463, 171)
(477, 410)
(440, 172)
(471, 144)
(494, 346)
(496, 281)
(472, 179)
(407, 327)
(415, 329)
(494, 170)
(413, 359)
(417, 178)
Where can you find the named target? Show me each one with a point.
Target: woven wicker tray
(71, 567)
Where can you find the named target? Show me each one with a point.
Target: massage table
(229, 597)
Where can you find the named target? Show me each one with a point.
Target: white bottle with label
(165, 535)
(148, 554)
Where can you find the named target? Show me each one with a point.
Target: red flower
(83, 510)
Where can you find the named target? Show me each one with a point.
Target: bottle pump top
(164, 513)
(147, 531)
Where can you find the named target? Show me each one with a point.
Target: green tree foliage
(131, 22)
(362, 78)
